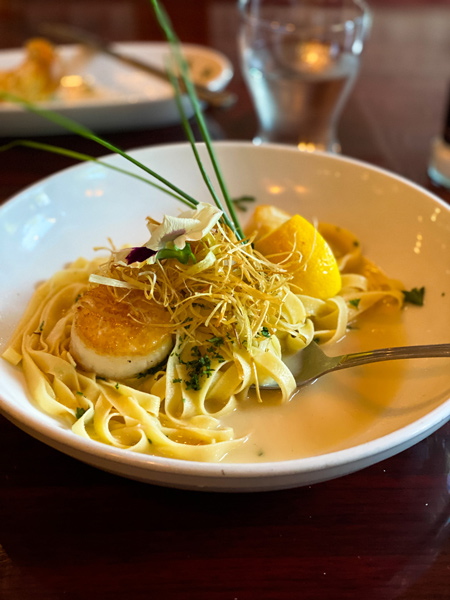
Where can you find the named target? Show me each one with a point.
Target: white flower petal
(190, 225)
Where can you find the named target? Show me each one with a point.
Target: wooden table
(70, 531)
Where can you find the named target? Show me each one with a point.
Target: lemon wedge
(306, 254)
(265, 219)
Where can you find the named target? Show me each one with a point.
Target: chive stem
(175, 44)
(86, 157)
(87, 133)
(191, 138)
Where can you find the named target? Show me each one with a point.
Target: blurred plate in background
(119, 97)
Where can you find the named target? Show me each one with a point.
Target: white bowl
(402, 227)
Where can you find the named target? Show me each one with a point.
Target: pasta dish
(150, 349)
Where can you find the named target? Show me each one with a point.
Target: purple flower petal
(139, 254)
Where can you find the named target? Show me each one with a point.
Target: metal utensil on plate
(316, 363)
(68, 34)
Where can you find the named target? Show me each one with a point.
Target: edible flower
(170, 238)
(189, 226)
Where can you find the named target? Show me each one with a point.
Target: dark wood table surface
(70, 531)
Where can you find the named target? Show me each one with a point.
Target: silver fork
(316, 363)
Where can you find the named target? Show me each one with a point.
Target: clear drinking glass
(300, 59)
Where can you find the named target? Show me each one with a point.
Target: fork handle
(395, 353)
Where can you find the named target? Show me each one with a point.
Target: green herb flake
(200, 366)
(41, 327)
(177, 380)
(264, 332)
(77, 298)
(79, 393)
(155, 369)
(117, 386)
(242, 201)
(355, 302)
(79, 412)
(217, 341)
(415, 296)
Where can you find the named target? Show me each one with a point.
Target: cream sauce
(335, 412)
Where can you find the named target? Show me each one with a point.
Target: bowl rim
(55, 434)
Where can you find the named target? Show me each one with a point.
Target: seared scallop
(117, 337)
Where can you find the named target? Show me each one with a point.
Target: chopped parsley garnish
(79, 412)
(117, 386)
(41, 327)
(264, 332)
(77, 298)
(200, 366)
(242, 201)
(215, 354)
(177, 380)
(79, 393)
(217, 341)
(355, 302)
(230, 339)
(187, 323)
(415, 296)
(152, 370)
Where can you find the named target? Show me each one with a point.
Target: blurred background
(396, 107)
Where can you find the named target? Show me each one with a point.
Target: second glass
(300, 59)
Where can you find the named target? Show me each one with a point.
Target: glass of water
(300, 59)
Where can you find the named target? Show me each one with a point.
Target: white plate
(402, 227)
(125, 98)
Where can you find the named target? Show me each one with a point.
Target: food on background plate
(151, 349)
(43, 75)
(38, 76)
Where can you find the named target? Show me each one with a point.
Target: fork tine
(314, 363)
